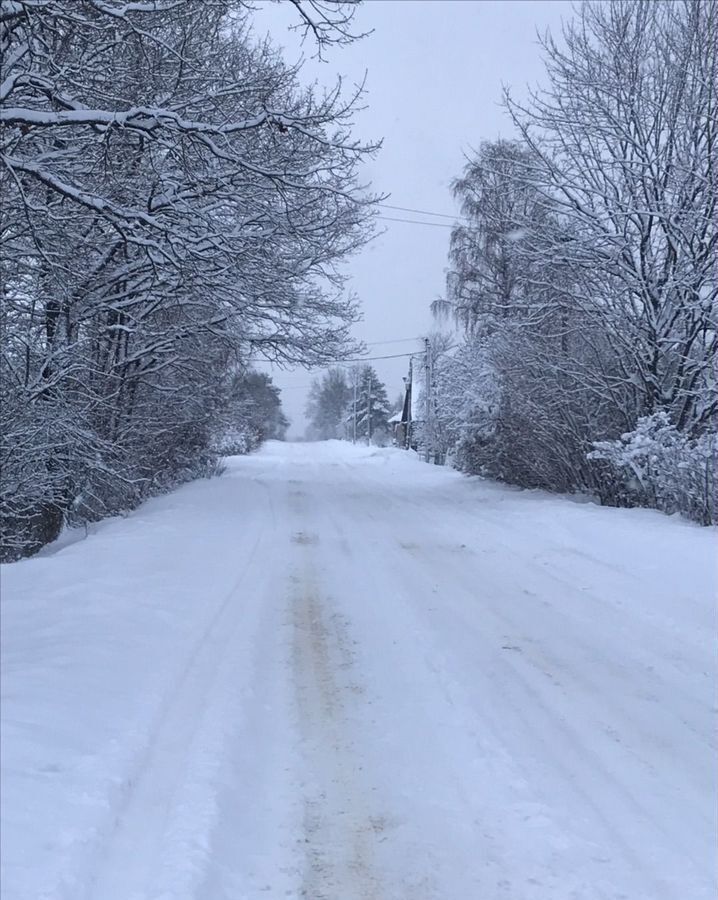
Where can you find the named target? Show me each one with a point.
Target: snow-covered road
(337, 673)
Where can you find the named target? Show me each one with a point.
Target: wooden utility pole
(354, 408)
(368, 417)
(409, 389)
(427, 398)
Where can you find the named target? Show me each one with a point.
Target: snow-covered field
(337, 673)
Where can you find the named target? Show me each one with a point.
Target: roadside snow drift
(338, 673)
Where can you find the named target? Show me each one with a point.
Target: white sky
(435, 69)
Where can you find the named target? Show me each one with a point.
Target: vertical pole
(427, 399)
(368, 417)
(407, 436)
(354, 409)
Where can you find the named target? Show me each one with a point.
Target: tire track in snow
(339, 828)
(186, 735)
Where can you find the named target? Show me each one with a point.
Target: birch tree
(585, 276)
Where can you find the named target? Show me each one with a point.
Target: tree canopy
(175, 204)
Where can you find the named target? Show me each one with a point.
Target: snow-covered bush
(659, 466)
(250, 413)
(236, 442)
(466, 402)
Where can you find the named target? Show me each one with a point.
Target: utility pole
(368, 418)
(354, 408)
(409, 388)
(427, 397)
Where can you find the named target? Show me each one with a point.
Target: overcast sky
(435, 69)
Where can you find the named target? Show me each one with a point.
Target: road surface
(337, 673)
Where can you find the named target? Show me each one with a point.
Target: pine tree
(373, 409)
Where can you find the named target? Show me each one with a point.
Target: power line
(360, 359)
(415, 222)
(422, 212)
(370, 358)
(395, 341)
(357, 359)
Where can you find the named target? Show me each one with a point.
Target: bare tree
(585, 279)
(623, 145)
(328, 405)
(173, 202)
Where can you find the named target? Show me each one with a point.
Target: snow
(337, 672)
(142, 118)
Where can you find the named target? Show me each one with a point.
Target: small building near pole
(397, 426)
